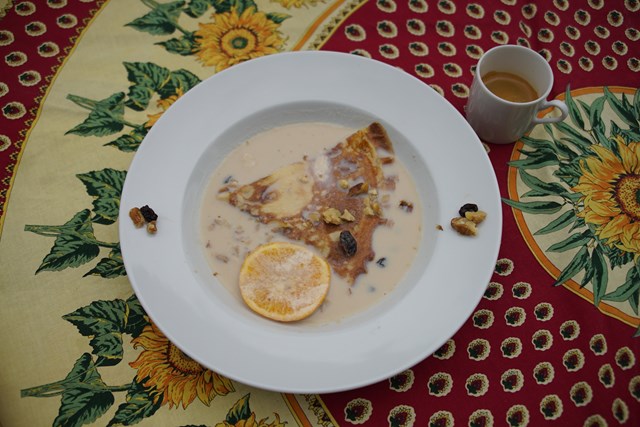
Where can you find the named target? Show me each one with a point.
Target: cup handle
(564, 112)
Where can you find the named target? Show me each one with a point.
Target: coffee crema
(510, 87)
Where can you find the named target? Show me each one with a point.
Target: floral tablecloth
(555, 337)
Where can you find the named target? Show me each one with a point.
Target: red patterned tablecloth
(552, 340)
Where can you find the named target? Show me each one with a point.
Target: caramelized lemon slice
(284, 281)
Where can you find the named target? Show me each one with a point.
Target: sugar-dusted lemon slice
(284, 281)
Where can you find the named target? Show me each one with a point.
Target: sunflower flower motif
(164, 105)
(173, 376)
(234, 38)
(610, 188)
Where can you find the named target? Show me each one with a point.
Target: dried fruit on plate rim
(142, 216)
(470, 217)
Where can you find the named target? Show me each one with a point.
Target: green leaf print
(577, 264)
(106, 116)
(239, 5)
(185, 45)
(622, 108)
(558, 224)
(131, 141)
(595, 114)
(574, 111)
(108, 347)
(197, 8)
(278, 18)
(162, 20)
(105, 322)
(576, 138)
(139, 405)
(239, 411)
(109, 268)
(535, 207)
(571, 242)
(136, 317)
(600, 275)
(536, 160)
(547, 188)
(146, 78)
(617, 257)
(106, 187)
(85, 397)
(180, 81)
(628, 289)
(74, 246)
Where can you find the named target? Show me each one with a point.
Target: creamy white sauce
(228, 234)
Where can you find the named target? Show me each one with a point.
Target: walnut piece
(476, 217)
(152, 227)
(347, 216)
(360, 188)
(464, 226)
(332, 216)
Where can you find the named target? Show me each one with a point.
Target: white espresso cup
(498, 120)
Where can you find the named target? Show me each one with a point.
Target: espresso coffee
(510, 87)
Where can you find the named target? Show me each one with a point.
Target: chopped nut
(376, 208)
(314, 216)
(136, 217)
(406, 206)
(222, 258)
(439, 227)
(464, 226)
(148, 213)
(368, 211)
(152, 227)
(334, 236)
(476, 217)
(347, 216)
(332, 216)
(358, 189)
(386, 160)
(246, 191)
(223, 196)
(343, 183)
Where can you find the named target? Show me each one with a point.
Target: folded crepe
(316, 199)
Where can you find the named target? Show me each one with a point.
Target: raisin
(348, 243)
(136, 217)
(468, 207)
(148, 213)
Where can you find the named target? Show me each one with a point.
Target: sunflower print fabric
(83, 82)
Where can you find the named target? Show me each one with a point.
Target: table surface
(554, 337)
